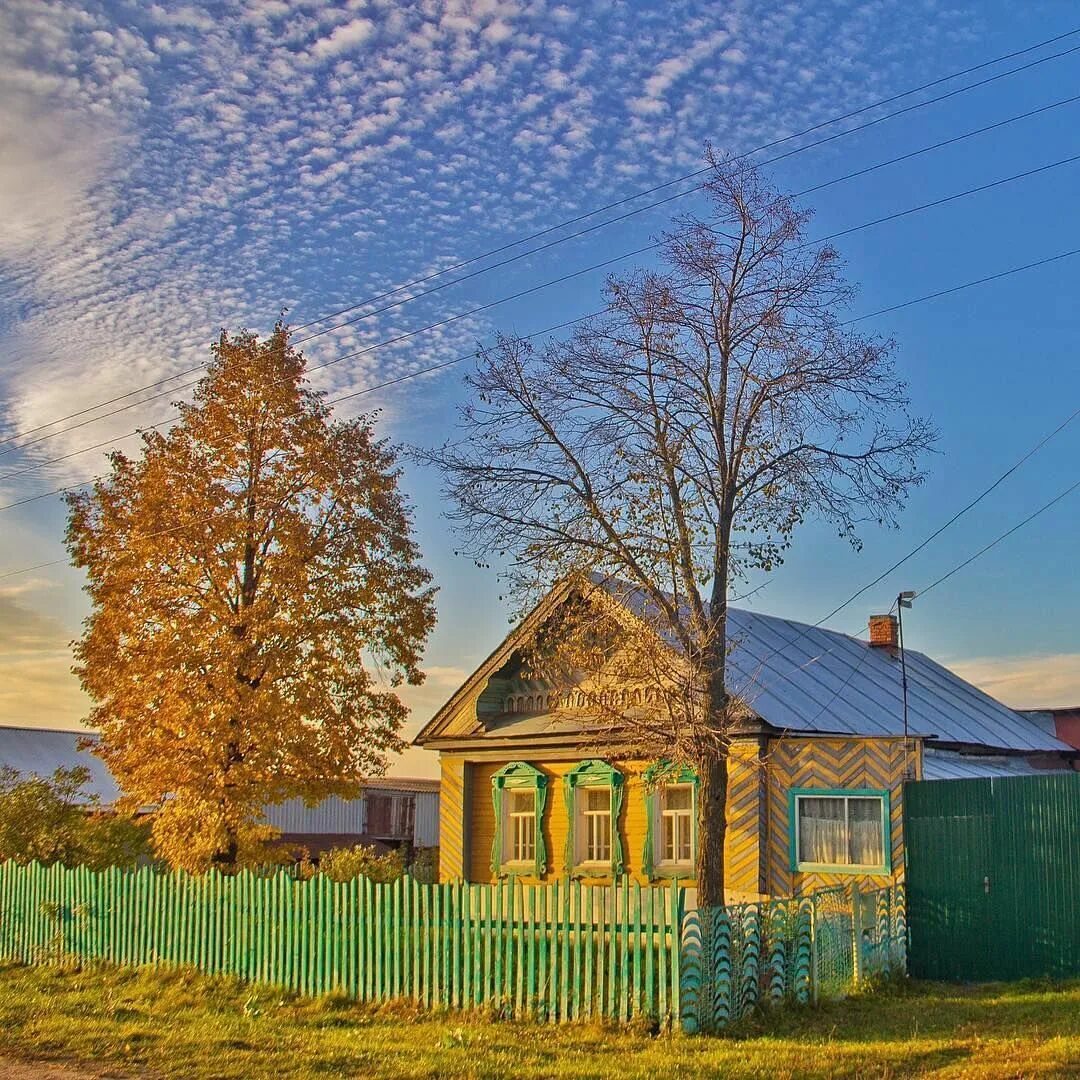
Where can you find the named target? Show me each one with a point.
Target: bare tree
(675, 443)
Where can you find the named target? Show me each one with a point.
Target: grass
(182, 1024)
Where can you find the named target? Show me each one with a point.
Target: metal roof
(401, 783)
(41, 751)
(951, 765)
(798, 677)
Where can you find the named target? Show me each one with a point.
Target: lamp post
(903, 601)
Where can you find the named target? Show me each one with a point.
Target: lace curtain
(838, 831)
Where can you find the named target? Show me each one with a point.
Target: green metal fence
(557, 952)
(801, 949)
(993, 874)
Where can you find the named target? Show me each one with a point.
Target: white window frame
(511, 819)
(663, 814)
(583, 826)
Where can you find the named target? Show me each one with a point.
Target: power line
(677, 195)
(993, 543)
(637, 251)
(854, 596)
(967, 285)
(699, 172)
(449, 363)
(641, 194)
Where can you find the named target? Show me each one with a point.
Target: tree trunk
(712, 829)
(225, 859)
(713, 766)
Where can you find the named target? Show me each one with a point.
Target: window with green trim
(518, 793)
(670, 821)
(840, 831)
(593, 791)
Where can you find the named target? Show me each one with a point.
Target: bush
(51, 819)
(425, 865)
(344, 864)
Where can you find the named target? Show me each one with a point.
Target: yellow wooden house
(816, 773)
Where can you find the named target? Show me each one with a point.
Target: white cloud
(1026, 682)
(343, 38)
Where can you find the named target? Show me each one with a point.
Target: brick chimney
(883, 631)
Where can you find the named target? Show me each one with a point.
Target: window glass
(595, 830)
(521, 826)
(676, 823)
(840, 830)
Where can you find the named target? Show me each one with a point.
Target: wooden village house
(816, 775)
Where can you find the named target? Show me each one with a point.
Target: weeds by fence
(557, 952)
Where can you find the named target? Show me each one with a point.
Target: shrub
(51, 819)
(344, 864)
(425, 865)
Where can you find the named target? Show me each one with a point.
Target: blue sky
(166, 170)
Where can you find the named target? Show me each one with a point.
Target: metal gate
(993, 877)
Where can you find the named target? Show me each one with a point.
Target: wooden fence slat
(562, 950)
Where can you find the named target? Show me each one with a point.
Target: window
(840, 831)
(518, 793)
(593, 791)
(670, 820)
(594, 838)
(390, 817)
(677, 824)
(519, 845)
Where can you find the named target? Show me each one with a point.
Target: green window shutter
(653, 778)
(518, 775)
(593, 773)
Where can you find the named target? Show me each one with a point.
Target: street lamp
(903, 601)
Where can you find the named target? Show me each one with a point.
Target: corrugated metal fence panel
(426, 822)
(1035, 885)
(993, 876)
(333, 815)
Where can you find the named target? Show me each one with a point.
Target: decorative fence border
(736, 958)
(556, 952)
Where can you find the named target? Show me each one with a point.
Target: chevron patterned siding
(746, 821)
(830, 763)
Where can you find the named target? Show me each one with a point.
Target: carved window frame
(593, 773)
(517, 776)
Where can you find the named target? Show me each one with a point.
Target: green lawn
(180, 1024)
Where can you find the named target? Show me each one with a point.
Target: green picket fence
(560, 952)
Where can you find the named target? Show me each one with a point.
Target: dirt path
(48, 1070)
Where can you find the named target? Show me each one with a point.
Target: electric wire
(546, 231)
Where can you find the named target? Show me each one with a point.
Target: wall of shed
(335, 816)
(426, 824)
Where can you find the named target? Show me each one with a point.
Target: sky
(167, 170)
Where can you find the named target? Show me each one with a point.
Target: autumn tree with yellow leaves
(248, 573)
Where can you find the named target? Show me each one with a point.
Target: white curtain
(864, 823)
(841, 831)
(822, 833)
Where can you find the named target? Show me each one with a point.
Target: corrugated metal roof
(41, 751)
(401, 783)
(798, 677)
(951, 765)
